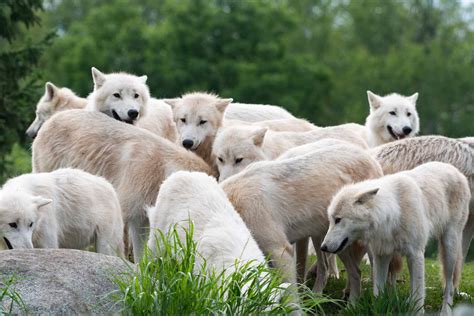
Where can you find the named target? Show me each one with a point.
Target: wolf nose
(324, 248)
(406, 130)
(133, 114)
(31, 134)
(187, 143)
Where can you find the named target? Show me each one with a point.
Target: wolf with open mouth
(119, 95)
(392, 117)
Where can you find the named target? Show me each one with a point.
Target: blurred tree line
(316, 58)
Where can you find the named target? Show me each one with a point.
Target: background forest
(316, 58)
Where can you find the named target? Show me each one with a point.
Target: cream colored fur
(159, 120)
(281, 125)
(66, 208)
(256, 112)
(135, 161)
(236, 147)
(54, 100)
(397, 214)
(285, 200)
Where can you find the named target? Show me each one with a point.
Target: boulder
(62, 281)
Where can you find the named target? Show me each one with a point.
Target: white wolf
(220, 233)
(409, 153)
(135, 161)
(397, 214)
(67, 208)
(391, 117)
(223, 240)
(199, 115)
(54, 100)
(236, 147)
(119, 95)
(283, 201)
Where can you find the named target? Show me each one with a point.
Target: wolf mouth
(117, 117)
(9, 245)
(343, 244)
(394, 135)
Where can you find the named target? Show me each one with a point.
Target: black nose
(187, 143)
(407, 130)
(133, 114)
(324, 248)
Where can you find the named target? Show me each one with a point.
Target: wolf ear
(171, 102)
(143, 79)
(374, 100)
(98, 77)
(413, 98)
(40, 201)
(364, 197)
(49, 91)
(258, 136)
(222, 104)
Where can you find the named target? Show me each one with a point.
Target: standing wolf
(283, 201)
(54, 100)
(397, 214)
(135, 161)
(391, 117)
(66, 208)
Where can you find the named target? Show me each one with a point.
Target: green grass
(170, 284)
(434, 288)
(9, 298)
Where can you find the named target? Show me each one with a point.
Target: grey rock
(62, 281)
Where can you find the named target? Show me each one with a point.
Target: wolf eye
(117, 95)
(183, 120)
(408, 114)
(13, 225)
(202, 122)
(392, 113)
(220, 159)
(31, 224)
(238, 160)
(337, 220)
(136, 95)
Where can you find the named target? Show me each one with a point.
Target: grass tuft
(9, 298)
(172, 284)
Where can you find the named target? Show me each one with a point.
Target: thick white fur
(237, 146)
(256, 112)
(221, 235)
(135, 161)
(279, 125)
(283, 201)
(397, 214)
(67, 208)
(159, 120)
(54, 100)
(116, 94)
(388, 117)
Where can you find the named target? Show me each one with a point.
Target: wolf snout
(407, 130)
(324, 248)
(132, 114)
(31, 134)
(188, 143)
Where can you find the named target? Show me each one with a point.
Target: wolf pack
(119, 167)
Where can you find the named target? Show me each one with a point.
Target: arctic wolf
(135, 161)
(119, 95)
(397, 214)
(409, 153)
(198, 116)
(283, 201)
(67, 208)
(54, 100)
(236, 147)
(391, 117)
(279, 125)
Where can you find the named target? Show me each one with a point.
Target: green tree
(18, 57)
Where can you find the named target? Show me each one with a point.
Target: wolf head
(198, 116)
(236, 147)
(392, 117)
(119, 95)
(18, 214)
(349, 217)
(54, 100)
